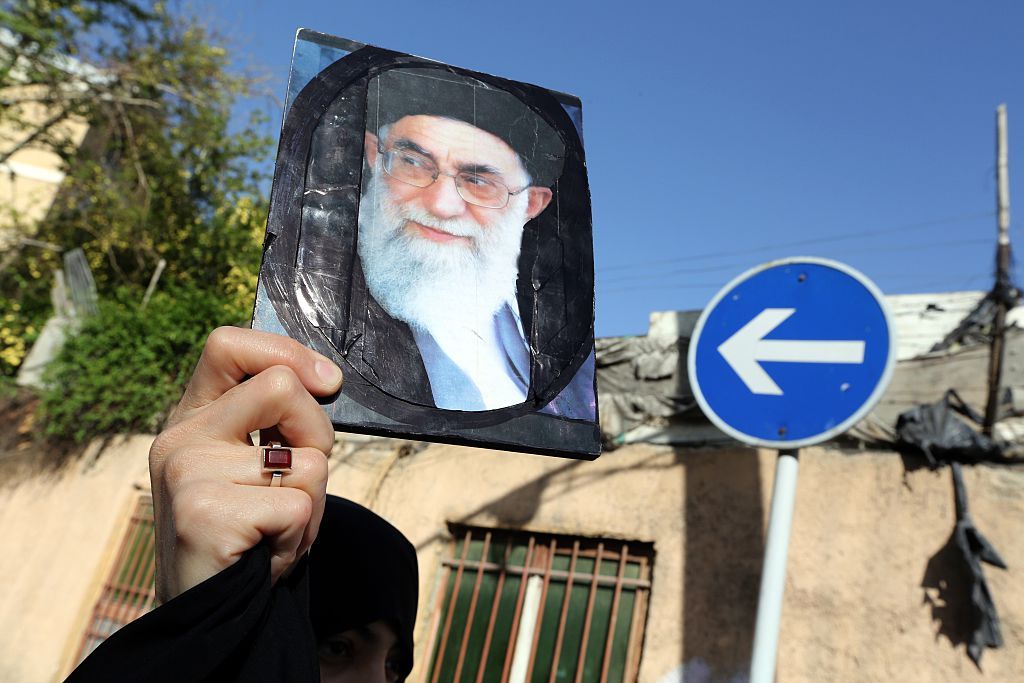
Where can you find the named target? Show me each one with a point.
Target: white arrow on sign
(747, 348)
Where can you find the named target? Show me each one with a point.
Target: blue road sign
(792, 353)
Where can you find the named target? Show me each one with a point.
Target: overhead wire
(742, 264)
(639, 278)
(804, 242)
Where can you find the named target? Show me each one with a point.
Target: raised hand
(212, 499)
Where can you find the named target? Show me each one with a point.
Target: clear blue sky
(723, 134)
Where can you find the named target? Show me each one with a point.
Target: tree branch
(43, 129)
(104, 96)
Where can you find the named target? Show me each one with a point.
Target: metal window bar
(565, 611)
(606, 660)
(551, 551)
(520, 596)
(581, 662)
(130, 587)
(128, 592)
(472, 608)
(451, 603)
(590, 636)
(493, 615)
(636, 633)
(557, 574)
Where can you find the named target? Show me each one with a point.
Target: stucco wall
(862, 596)
(635, 494)
(61, 529)
(855, 608)
(863, 540)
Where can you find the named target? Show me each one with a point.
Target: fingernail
(328, 372)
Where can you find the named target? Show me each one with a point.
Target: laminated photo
(430, 231)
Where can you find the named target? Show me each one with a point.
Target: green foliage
(21, 320)
(160, 158)
(8, 388)
(162, 173)
(125, 367)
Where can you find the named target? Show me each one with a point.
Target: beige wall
(61, 529)
(863, 536)
(855, 607)
(632, 496)
(30, 179)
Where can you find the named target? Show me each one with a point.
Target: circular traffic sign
(792, 352)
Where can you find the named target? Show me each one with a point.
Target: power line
(747, 264)
(898, 280)
(901, 280)
(807, 242)
(639, 277)
(703, 285)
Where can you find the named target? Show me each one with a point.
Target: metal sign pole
(773, 574)
(834, 325)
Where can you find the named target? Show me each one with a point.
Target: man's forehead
(454, 140)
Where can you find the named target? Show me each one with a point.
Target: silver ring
(275, 478)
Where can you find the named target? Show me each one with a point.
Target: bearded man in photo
(454, 171)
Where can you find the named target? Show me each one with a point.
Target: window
(521, 607)
(128, 592)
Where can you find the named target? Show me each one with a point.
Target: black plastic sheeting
(976, 328)
(965, 607)
(935, 431)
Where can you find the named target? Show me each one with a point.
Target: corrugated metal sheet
(923, 320)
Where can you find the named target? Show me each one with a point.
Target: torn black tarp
(964, 609)
(935, 431)
(976, 328)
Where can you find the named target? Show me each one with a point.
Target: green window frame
(519, 606)
(129, 590)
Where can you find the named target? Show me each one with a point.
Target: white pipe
(527, 625)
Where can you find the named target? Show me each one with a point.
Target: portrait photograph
(430, 231)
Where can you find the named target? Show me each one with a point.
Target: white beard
(431, 285)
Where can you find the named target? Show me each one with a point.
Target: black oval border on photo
(567, 254)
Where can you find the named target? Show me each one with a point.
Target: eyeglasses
(415, 169)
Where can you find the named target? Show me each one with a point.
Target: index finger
(232, 354)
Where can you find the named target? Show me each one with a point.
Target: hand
(212, 500)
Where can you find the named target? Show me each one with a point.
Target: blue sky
(723, 134)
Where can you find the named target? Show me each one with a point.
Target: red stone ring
(277, 460)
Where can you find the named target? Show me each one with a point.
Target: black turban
(397, 93)
(361, 570)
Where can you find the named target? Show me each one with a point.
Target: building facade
(643, 565)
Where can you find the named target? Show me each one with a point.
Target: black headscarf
(362, 570)
(236, 627)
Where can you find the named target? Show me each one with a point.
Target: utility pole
(1004, 292)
